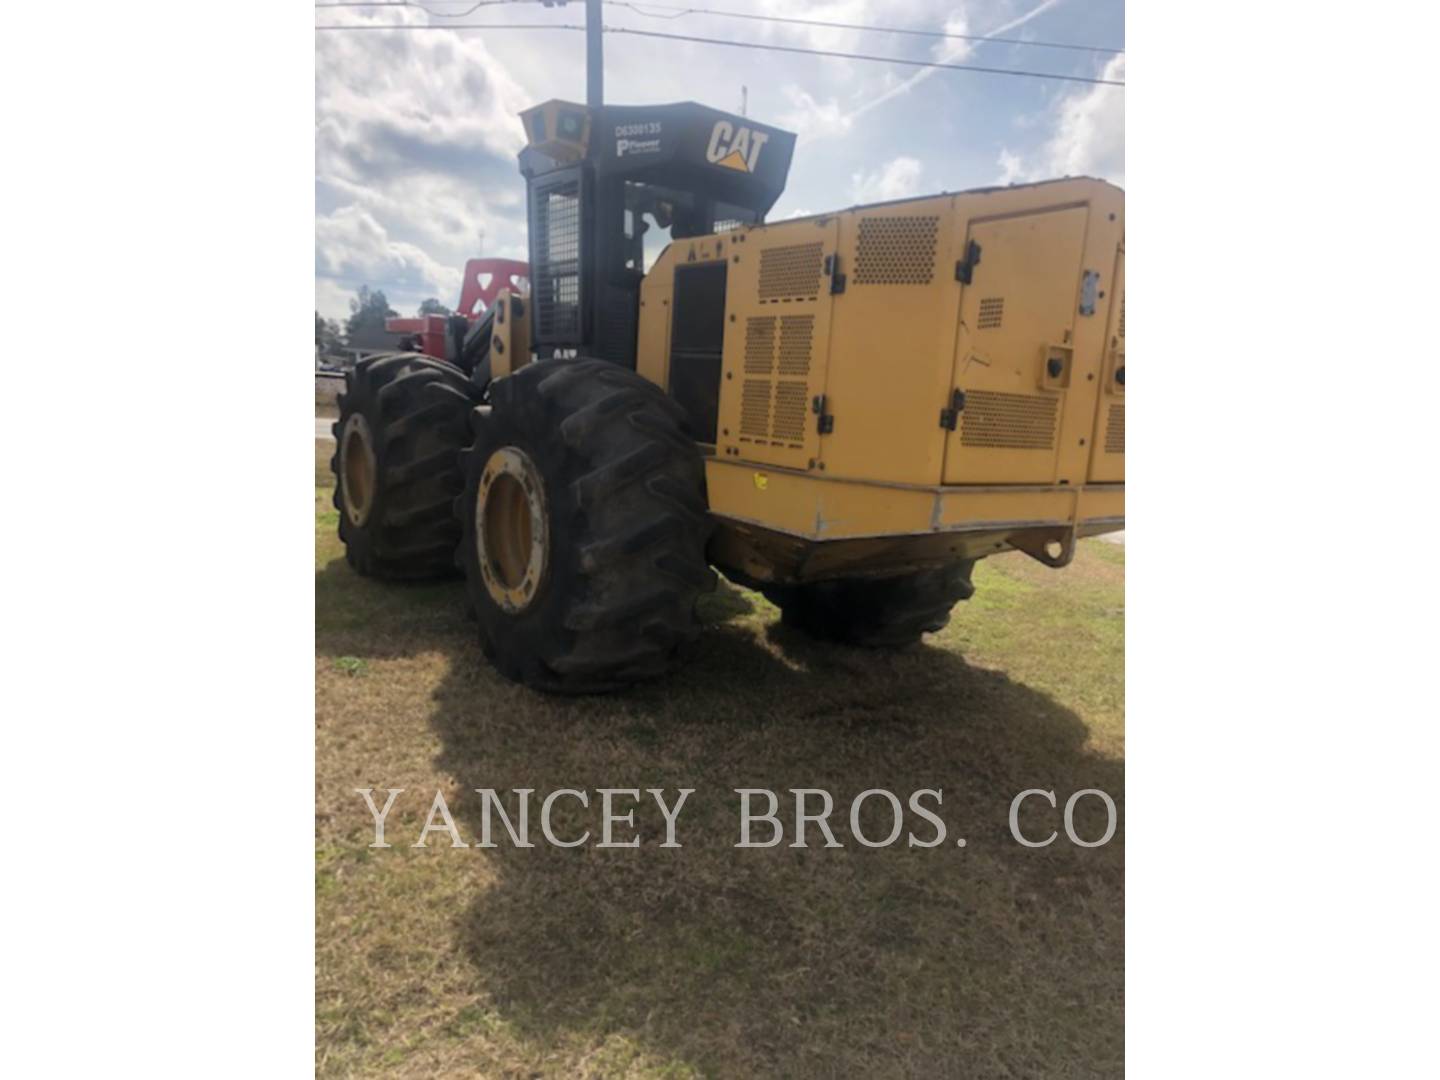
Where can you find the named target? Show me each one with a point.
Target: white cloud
(1091, 134)
(1087, 136)
(416, 133)
(350, 245)
(1012, 168)
(898, 179)
(811, 117)
(415, 142)
(949, 51)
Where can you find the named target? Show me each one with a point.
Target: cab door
(1021, 282)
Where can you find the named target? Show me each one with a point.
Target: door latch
(1089, 289)
(826, 423)
(950, 416)
(832, 270)
(965, 268)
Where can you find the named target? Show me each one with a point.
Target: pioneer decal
(642, 138)
(636, 146)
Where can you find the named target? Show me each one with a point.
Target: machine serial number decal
(625, 130)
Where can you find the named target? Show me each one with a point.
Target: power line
(677, 12)
(864, 56)
(737, 45)
(415, 4)
(446, 26)
(681, 11)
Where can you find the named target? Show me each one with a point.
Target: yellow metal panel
(1017, 316)
(777, 340)
(1001, 506)
(509, 336)
(815, 507)
(808, 505)
(1084, 375)
(892, 333)
(1107, 456)
(886, 351)
(657, 297)
(652, 349)
(1104, 503)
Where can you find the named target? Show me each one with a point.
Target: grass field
(989, 961)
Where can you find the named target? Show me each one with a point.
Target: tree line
(365, 328)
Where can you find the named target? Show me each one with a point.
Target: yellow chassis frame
(813, 527)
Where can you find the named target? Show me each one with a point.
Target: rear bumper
(782, 525)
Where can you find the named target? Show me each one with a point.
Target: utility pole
(594, 56)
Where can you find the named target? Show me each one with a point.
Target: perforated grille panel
(1115, 429)
(791, 273)
(789, 419)
(796, 334)
(772, 410)
(1008, 421)
(755, 409)
(992, 311)
(555, 277)
(760, 345)
(896, 250)
(1122, 317)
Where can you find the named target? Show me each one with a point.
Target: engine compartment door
(777, 339)
(1021, 284)
(1107, 462)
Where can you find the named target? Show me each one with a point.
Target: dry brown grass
(994, 960)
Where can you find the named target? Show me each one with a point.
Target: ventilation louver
(755, 409)
(791, 273)
(992, 311)
(896, 250)
(760, 345)
(1009, 421)
(796, 335)
(775, 393)
(1115, 430)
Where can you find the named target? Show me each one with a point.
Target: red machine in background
(484, 278)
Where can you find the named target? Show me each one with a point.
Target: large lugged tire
(403, 421)
(584, 527)
(885, 613)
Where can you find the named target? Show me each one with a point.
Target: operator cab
(609, 188)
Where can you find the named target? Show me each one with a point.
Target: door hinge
(826, 423)
(950, 416)
(965, 268)
(832, 269)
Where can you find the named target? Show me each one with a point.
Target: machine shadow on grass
(987, 960)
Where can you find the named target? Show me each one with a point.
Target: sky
(416, 132)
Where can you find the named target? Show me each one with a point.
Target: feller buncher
(845, 411)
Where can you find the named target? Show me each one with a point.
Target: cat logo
(733, 148)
